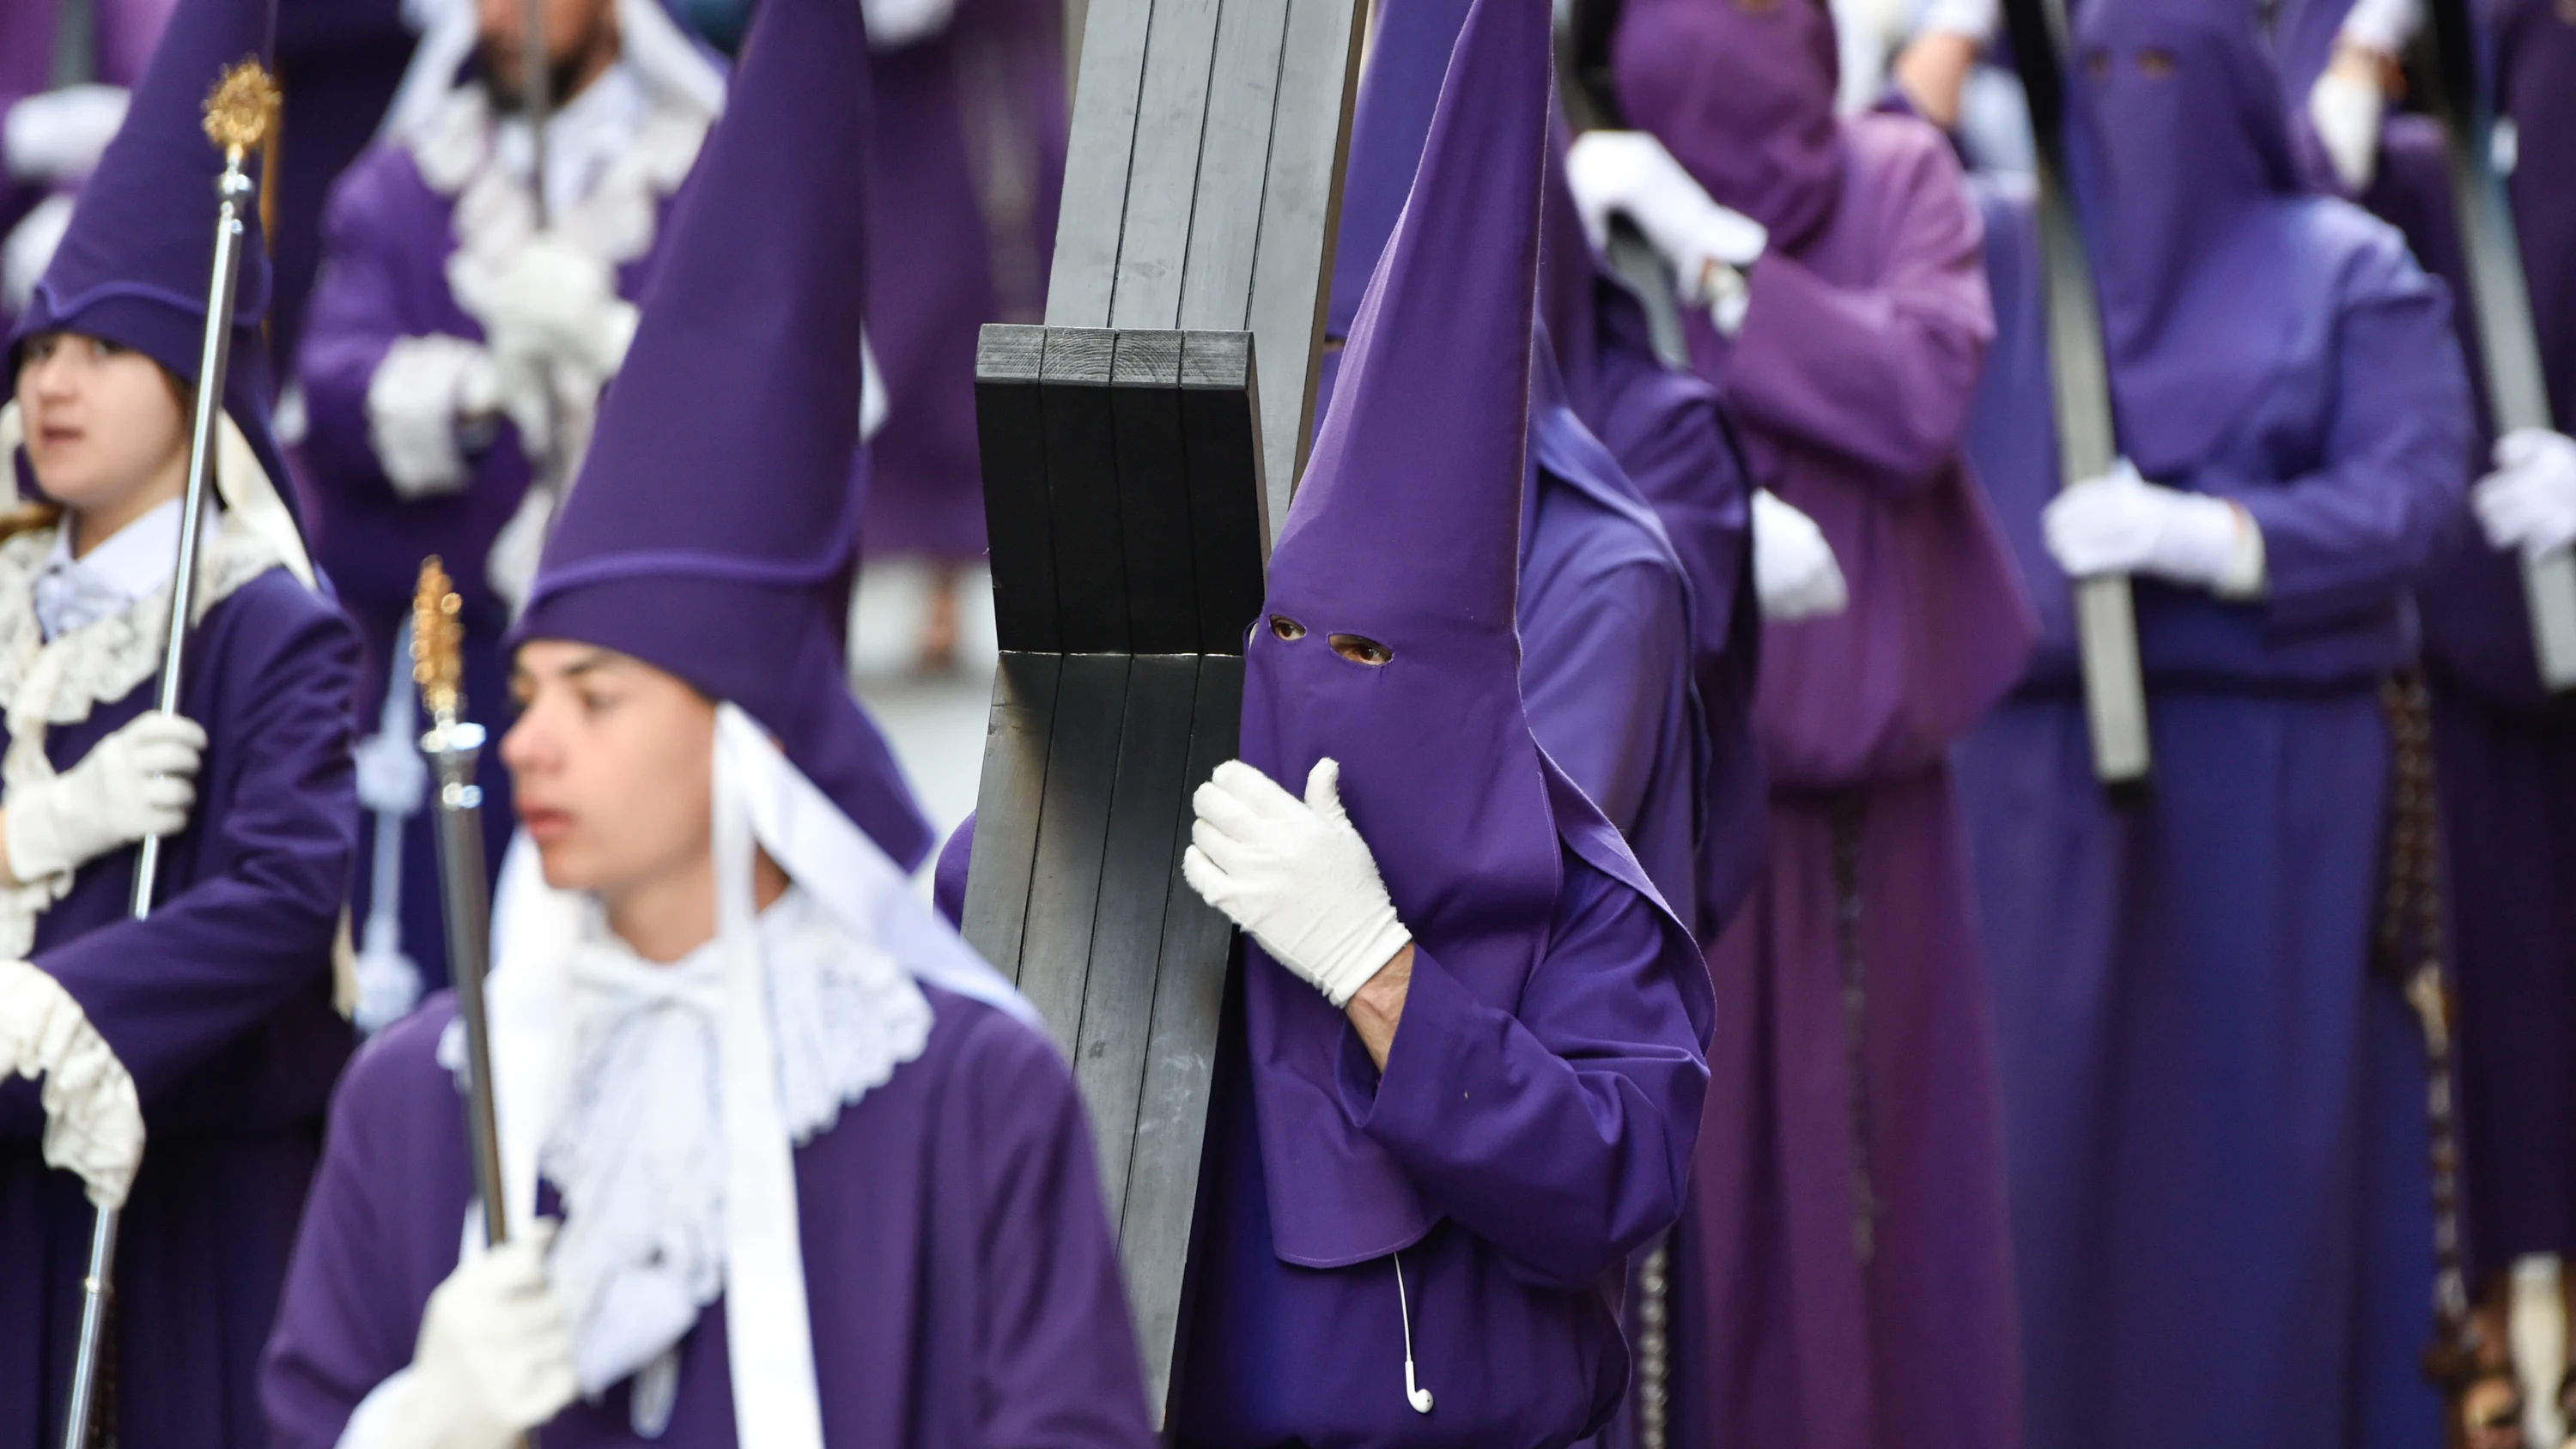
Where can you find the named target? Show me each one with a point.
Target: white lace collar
(638, 1153)
(134, 560)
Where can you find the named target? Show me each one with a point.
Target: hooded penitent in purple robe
(221, 1004)
(1533, 1122)
(432, 192)
(2507, 760)
(968, 169)
(942, 1227)
(1844, 1281)
(2214, 1110)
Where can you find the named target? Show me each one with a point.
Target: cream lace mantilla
(42, 684)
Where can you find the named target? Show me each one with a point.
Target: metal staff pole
(2517, 388)
(536, 87)
(453, 745)
(2106, 621)
(238, 116)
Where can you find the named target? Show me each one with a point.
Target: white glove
(1295, 874)
(1708, 245)
(139, 781)
(1794, 572)
(2529, 501)
(93, 1119)
(893, 23)
(2120, 523)
(59, 136)
(549, 301)
(30, 249)
(2345, 109)
(494, 1359)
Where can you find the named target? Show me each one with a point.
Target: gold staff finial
(241, 109)
(437, 637)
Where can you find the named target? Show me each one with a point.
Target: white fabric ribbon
(760, 799)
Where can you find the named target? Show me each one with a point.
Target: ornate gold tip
(437, 660)
(242, 108)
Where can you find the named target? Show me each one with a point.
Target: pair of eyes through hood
(1357, 648)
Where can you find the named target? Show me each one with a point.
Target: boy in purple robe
(200, 1043)
(1850, 1283)
(1468, 1070)
(786, 1164)
(2215, 1115)
(967, 181)
(449, 341)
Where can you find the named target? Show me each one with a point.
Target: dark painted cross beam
(1135, 461)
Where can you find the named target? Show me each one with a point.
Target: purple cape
(964, 1286)
(220, 1005)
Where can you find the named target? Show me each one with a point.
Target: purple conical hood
(712, 532)
(133, 267)
(1408, 57)
(1405, 531)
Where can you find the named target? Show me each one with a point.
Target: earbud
(1415, 1394)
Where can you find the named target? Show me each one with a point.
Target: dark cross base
(1122, 489)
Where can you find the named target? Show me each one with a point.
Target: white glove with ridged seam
(137, 782)
(1295, 874)
(494, 1360)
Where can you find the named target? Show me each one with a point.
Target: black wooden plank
(1229, 513)
(1016, 744)
(1171, 108)
(1127, 928)
(1153, 494)
(1010, 431)
(1073, 824)
(1082, 492)
(1199, 953)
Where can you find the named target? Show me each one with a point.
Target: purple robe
(338, 63)
(2507, 761)
(387, 237)
(1853, 374)
(961, 232)
(220, 1007)
(1512, 1295)
(2213, 1110)
(963, 1283)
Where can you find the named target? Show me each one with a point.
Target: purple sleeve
(1881, 373)
(1600, 684)
(354, 318)
(1060, 1369)
(237, 944)
(1560, 1133)
(2343, 539)
(355, 1289)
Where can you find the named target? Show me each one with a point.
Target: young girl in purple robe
(785, 1163)
(184, 1059)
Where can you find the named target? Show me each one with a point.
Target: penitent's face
(612, 762)
(577, 32)
(104, 423)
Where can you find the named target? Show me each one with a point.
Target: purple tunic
(1853, 374)
(220, 1006)
(2214, 1111)
(387, 237)
(960, 232)
(338, 63)
(964, 1285)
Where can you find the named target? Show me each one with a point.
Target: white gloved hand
(93, 1117)
(139, 781)
(494, 1358)
(1708, 245)
(549, 301)
(2345, 109)
(1794, 571)
(1295, 874)
(2529, 501)
(2120, 523)
(59, 136)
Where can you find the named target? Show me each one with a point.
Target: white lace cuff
(415, 412)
